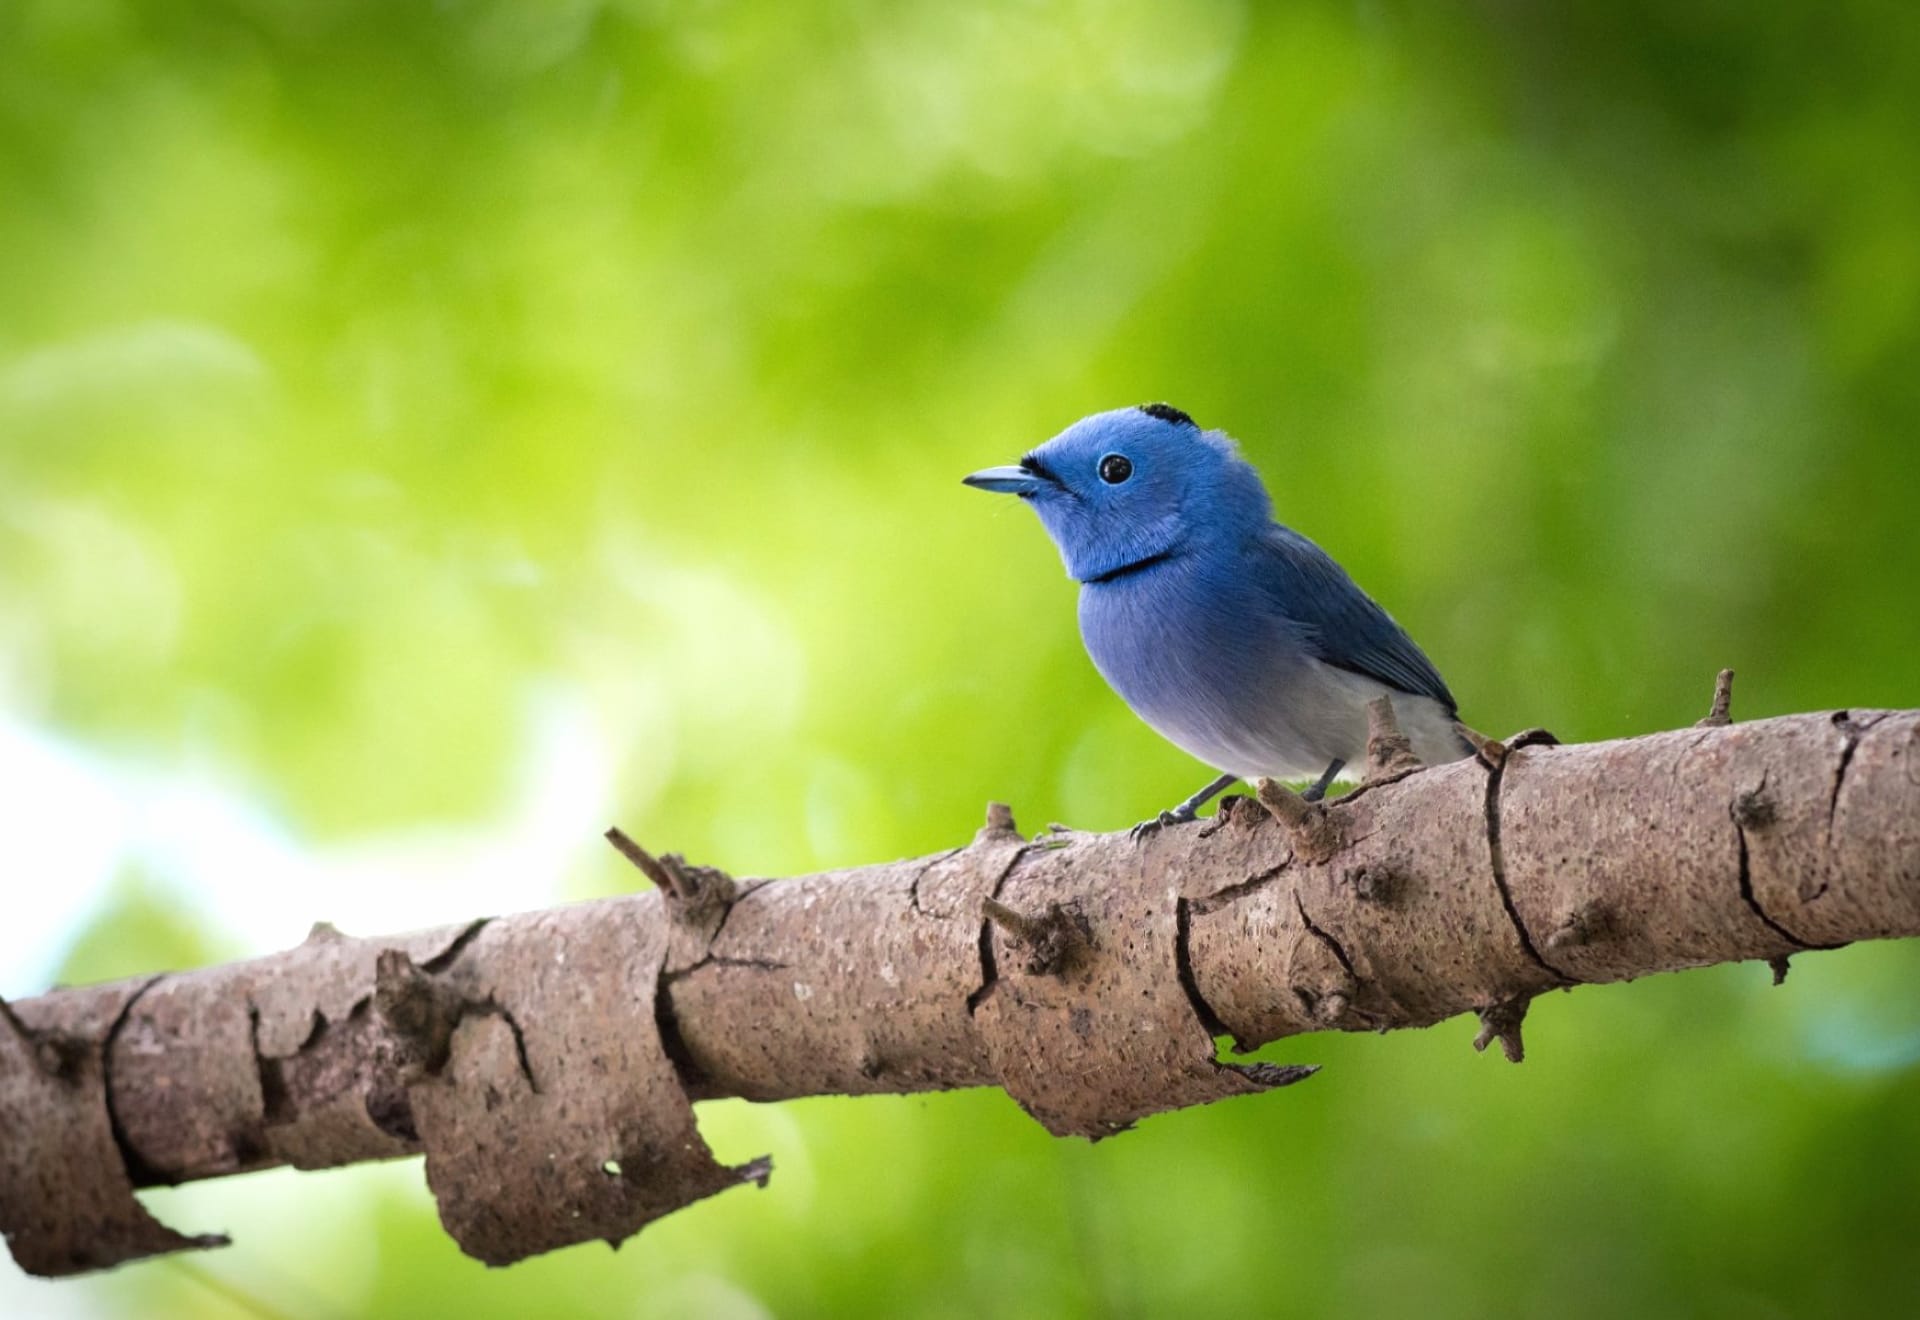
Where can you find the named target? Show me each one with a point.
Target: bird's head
(1120, 488)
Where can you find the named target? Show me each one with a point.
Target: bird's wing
(1340, 623)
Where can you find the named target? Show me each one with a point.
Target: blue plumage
(1340, 623)
(1236, 638)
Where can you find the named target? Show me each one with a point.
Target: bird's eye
(1115, 468)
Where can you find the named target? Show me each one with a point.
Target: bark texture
(546, 1064)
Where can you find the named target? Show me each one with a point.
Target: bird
(1231, 635)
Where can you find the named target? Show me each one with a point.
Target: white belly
(1320, 717)
(1250, 700)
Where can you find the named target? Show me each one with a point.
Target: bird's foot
(1318, 789)
(1154, 824)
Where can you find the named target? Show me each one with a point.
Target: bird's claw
(1156, 823)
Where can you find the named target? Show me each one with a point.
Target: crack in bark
(989, 970)
(1333, 945)
(1183, 969)
(1693, 745)
(743, 890)
(1219, 898)
(444, 959)
(1839, 780)
(275, 1104)
(1753, 902)
(757, 964)
(1338, 950)
(1851, 733)
(667, 978)
(316, 1029)
(491, 1007)
(430, 1039)
(694, 1081)
(142, 1173)
(666, 1021)
(913, 890)
(1496, 775)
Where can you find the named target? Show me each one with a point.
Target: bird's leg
(1187, 810)
(1324, 782)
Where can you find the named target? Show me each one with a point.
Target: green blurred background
(429, 432)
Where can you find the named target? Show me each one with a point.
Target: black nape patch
(1166, 412)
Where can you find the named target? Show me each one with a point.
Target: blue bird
(1237, 639)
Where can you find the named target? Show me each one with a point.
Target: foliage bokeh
(386, 387)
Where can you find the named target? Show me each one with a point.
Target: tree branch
(546, 1063)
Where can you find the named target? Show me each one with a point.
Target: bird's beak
(1004, 480)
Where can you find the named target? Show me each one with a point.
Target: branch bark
(546, 1063)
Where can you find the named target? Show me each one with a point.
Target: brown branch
(546, 1063)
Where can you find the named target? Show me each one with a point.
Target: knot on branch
(1321, 974)
(1376, 882)
(1578, 925)
(1235, 809)
(1329, 1007)
(1753, 809)
(1057, 941)
(419, 1011)
(1501, 1022)
(1311, 829)
(55, 1053)
(693, 892)
(1390, 754)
